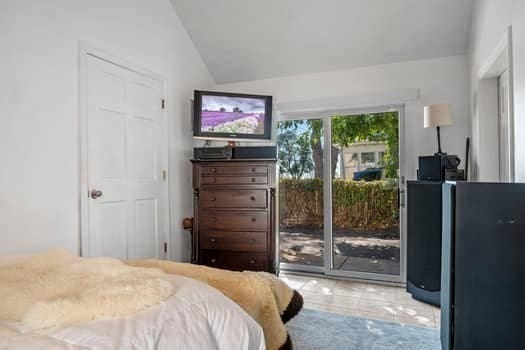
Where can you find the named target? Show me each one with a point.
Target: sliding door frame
(327, 268)
(327, 190)
(290, 266)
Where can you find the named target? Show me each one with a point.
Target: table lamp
(437, 115)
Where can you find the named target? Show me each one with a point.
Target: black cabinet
(483, 280)
(424, 222)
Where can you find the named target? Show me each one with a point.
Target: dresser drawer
(235, 241)
(234, 170)
(234, 261)
(234, 180)
(233, 199)
(234, 220)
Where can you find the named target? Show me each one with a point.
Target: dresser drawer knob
(213, 170)
(253, 170)
(213, 219)
(213, 240)
(254, 219)
(252, 261)
(213, 179)
(213, 260)
(252, 198)
(253, 241)
(253, 179)
(213, 199)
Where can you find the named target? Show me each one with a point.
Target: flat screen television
(232, 116)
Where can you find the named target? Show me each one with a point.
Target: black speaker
(431, 168)
(255, 152)
(483, 247)
(424, 215)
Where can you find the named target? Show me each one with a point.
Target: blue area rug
(316, 330)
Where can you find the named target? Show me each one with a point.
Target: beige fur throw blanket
(266, 298)
(57, 289)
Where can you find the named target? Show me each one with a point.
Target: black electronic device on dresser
(239, 152)
(424, 216)
(483, 278)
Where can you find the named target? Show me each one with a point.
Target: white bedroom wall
(39, 143)
(490, 21)
(440, 80)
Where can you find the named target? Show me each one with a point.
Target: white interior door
(127, 194)
(504, 123)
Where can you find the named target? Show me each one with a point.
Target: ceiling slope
(244, 40)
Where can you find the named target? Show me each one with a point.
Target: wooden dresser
(234, 224)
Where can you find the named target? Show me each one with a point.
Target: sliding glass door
(339, 199)
(365, 209)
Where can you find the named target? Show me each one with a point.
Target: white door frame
(325, 115)
(487, 108)
(86, 50)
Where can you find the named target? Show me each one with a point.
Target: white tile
(374, 288)
(351, 285)
(366, 300)
(416, 320)
(406, 298)
(411, 311)
(381, 293)
(319, 285)
(347, 288)
(294, 282)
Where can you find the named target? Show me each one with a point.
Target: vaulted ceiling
(254, 39)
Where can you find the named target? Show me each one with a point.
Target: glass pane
(300, 149)
(368, 157)
(365, 207)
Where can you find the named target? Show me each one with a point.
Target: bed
(195, 316)
(57, 300)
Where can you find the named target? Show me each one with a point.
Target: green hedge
(356, 204)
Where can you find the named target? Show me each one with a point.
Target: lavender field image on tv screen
(235, 115)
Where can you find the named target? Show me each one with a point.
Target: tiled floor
(366, 300)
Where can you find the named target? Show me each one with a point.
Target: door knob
(96, 193)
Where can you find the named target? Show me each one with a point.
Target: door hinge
(165, 247)
(164, 175)
(163, 103)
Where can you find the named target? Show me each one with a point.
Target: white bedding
(196, 317)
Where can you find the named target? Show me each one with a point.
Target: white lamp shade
(437, 115)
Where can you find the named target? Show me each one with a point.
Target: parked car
(370, 174)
